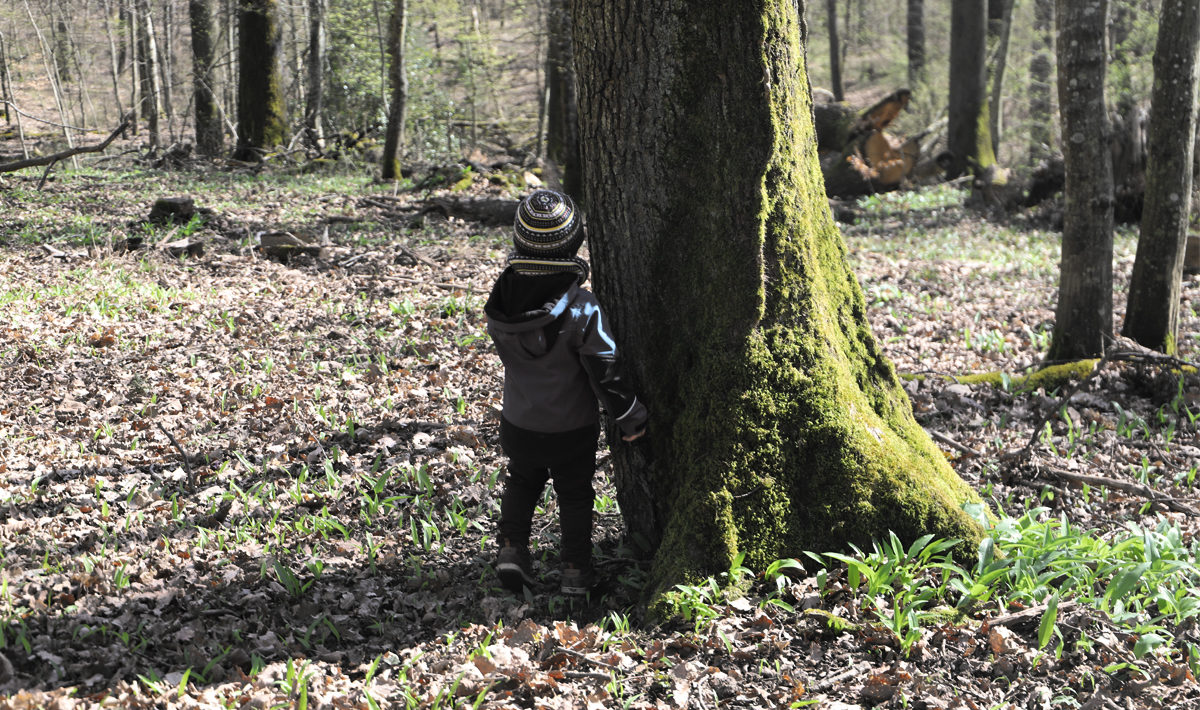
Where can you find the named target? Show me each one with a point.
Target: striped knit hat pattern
(546, 235)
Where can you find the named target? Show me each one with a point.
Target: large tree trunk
(835, 52)
(208, 121)
(915, 24)
(562, 110)
(968, 112)
(777, 424)
(1152, 315)
(398, 78)
(1041, 67)
(261, 124)
(1083, 318)
(314, 109)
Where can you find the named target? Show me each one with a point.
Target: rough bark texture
(835, 52)
(968, 112)
(209, 139)
(261, 123)
(393, 139)
(777, 424)
(1152, 315)
(562, 115)
(915, 24)
(1041, 67)
(1083, 317)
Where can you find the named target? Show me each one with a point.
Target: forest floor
(231, 480)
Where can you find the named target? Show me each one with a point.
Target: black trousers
(566, 458)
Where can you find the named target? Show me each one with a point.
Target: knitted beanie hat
(546, 235)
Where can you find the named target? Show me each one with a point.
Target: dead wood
(70, 152)
(1140, 489)
(489, 212)
(1016, 618)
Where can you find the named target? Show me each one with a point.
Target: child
(558, 358)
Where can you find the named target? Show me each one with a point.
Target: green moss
(791, 431)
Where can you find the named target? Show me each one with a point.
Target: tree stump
(172, 210)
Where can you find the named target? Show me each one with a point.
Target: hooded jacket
(559, 356)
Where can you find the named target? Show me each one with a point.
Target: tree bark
(916, 43)
(999, 31)
(147, 50)
(1152, 314)
(1041, 68)
(968, 112)
(398, 79)
(562, 110)
(261, 124)
(314, 109)
(777, 424)
(835, 52)
(209, 138)
(1083, 317)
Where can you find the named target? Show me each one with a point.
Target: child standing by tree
(559, 357)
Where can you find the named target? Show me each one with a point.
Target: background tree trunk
(261, 123)
(999, 31)
(777, 425)
(835, 52)
(916, 43)
(967, 129)
(562, 110)
(1041, 67)
(1083, 317)
(1152, 315)
(209, 138)
(147, 51)
(398, 78)
(314, 108)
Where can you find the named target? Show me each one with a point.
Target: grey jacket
(558, 355)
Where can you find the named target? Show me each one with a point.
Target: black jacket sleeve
(598, 355)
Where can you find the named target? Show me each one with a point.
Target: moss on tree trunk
(777, 424)
(261, 122)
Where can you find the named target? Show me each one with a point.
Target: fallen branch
(962, 448)
(1140, 489)
(1026, 614)
(187, 466)
(70, 152)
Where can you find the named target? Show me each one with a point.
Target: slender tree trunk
(1152, 314)
(209, 138)
(1041, 67)
(5, 90)
(165, 53)
(314, 109)
(835, 52)
(968, 110)
(562, 107)
(52, 77)
(1083, 318)
(916, 43)
(114, 67)
(147, 49)
(999, 31)
(260, 92)
(135, 79)
(777, 424)
(398, 77)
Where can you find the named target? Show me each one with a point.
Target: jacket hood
(521, 302)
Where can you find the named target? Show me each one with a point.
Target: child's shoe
(514, 568)
(577, 581)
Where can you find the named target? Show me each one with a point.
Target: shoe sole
(513, 577)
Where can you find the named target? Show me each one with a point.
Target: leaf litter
(233, 481)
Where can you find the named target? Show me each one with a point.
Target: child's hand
(635, 435)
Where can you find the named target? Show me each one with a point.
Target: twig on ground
(187, 466)
(594, 662)
(1026, 614)
(827, 683)
(1143, 490)
(955, 445)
